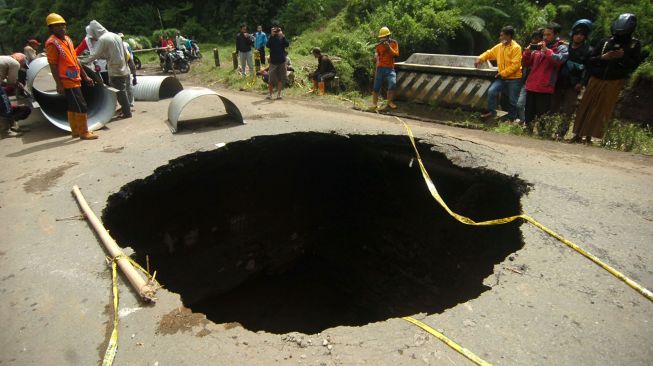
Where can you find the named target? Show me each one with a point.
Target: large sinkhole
(307, 231)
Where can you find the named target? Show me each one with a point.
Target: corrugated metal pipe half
(100, 100)
(153, 88)
(186, 96)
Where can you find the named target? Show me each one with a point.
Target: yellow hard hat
(384, 32)
(54, 18)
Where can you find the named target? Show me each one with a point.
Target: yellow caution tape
(466, 220)
(460, 349)
(112, 347)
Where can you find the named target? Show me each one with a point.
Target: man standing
(508, 57)
(30, 50)
(261, 41)
(384, 56)
(325, 71)
(68, 75)
(544, 60)
(611, 62)
(132, 70)
(88, 45)
(244, 43)
(109, 46)
(277, 45)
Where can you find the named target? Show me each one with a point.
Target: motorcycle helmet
(583, 26)
(624, 25)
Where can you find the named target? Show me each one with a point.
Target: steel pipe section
(100, 101)
(153, 88)
(449, 80)
(186, 96)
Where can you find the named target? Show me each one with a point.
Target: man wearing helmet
(68, 75)
(573, 74)
(384, 55)
(610, 64)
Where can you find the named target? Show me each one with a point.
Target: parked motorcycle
(174, 60)
(192, 51)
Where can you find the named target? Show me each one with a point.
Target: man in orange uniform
(68, 74)
(384, 55)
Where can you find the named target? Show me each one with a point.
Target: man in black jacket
(574, 73)
(325, 71)
(244, 43)
(610, 64)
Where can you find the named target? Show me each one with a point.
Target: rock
(469, 323)
(329, 347)
(325, 342)
(303, 356)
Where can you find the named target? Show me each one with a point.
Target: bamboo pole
(147, 290)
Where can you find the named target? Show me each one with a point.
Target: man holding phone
(544, 60)
(277, 73)
(508, 56)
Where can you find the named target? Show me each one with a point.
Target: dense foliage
(346, 29)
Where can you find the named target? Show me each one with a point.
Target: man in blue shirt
(277, 45)
(261, 41)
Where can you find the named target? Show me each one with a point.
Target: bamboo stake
(147, 290)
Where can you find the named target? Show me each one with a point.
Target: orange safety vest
(62, 53)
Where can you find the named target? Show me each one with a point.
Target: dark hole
(306, 231)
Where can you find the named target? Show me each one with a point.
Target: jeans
(130, 92)
(246, 58)
(513, 86)
(382, 72)
(120, 83)
(521, 104)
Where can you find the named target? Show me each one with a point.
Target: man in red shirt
(68, 75)
(384, 55)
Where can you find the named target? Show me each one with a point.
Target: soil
(635, 103)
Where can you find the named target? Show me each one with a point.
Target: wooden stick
(147, 290)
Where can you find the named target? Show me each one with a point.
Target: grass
(628, 137)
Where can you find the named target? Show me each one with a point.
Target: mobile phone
(535, 47)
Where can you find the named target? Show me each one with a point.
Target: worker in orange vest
(68, 74)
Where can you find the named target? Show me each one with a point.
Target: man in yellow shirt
(507, 54)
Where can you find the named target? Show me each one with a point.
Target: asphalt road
(547, 306)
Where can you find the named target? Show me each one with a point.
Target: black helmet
(624, 25)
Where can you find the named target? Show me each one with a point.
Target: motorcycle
(174, 60)
(192, 51)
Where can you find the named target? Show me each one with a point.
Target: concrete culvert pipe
(153, 88)
(448, 80)
(100, 100)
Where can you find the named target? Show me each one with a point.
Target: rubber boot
(322, 87)
(72, 121)
(391, 97)
(82, 126)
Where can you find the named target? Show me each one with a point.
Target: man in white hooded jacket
(109, 46)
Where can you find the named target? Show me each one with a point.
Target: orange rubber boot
(82, 125)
